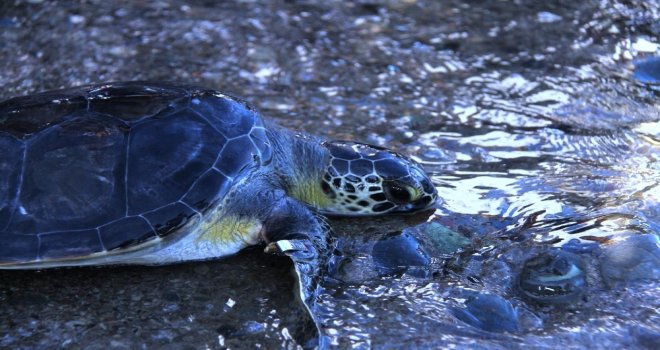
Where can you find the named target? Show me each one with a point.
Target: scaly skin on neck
(297, 167)
(300, 161)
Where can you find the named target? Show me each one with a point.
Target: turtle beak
(426, 202)
(430, 194)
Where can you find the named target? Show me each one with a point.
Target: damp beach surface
(539, 123)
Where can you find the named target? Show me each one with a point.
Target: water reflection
(566, 161)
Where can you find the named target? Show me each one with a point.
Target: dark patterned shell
(106, 167)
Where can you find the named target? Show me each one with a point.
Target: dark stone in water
(635, 258)
(553, 277)
(445, 240)
(8, 23)
(490, 313)
(648, 70)
(644, 337)
(578, 247)
(401, 253)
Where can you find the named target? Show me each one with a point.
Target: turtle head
(361, 179)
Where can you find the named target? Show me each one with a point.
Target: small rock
(490, 313)
(435, 154)
(76, 19)
(547, 17)
(635, 258)
(578, 247)
(254, 327)
(644, 337)
(553, 277)
(399, 254)
(445, 240)
(648, 70)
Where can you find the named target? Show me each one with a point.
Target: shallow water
(539, 122)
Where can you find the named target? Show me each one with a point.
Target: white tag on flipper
(285, 246)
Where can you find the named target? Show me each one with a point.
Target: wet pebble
(163, 335)
(445, 241)
(136, 296)
(253, 327)
(528, 320)
(648, 70)
(644, 337)
(578, 247)
(490, 313)
(8, 23)
(401, 253)
(553, 277)
(170, 307)
(547, 17)
(76, 323)
(117, 344)
(635, 258)
(437, 155)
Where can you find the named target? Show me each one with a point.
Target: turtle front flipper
(294, 230)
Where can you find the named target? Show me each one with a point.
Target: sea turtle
(153, 173)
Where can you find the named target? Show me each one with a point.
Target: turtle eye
(399, 193)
